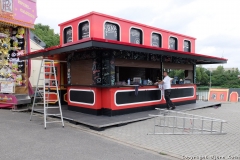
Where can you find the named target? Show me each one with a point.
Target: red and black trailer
(102, 52)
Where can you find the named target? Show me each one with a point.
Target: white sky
(215, 23)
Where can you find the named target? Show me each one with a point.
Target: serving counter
(115, 100)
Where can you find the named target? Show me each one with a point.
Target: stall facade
(16, 18)
(110, 64)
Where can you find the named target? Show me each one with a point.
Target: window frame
(141, 35)
(176, 44)
(119, 31)
(78, 32)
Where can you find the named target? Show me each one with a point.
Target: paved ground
(186, 145)
(21, 139)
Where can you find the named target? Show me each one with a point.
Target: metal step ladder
(42, 92)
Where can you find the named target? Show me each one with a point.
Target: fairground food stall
(103, 59)
(16, 18)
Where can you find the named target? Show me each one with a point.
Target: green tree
(225, 78)
(202, 75)
(45, 33)
(177, 73)
(219, 76)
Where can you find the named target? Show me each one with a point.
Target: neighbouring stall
(108, 66)
(16, 18)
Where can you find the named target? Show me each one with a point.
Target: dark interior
(144, 73)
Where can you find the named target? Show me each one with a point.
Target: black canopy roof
(116, 45)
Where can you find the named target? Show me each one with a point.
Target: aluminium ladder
(169, 122)
(42, 92)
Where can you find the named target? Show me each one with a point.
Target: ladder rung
(38, 109)
(48, 60)
(48, 86)
(48, 66)
(54, 122)
(46, 79)
(46, 101)
(43, 103)
(50, 100)
(47, 72)
(51, 107)
(46, 98)
(47, 92)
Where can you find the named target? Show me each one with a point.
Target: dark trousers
(167, 94)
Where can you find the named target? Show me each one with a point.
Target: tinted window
(111, 31)
(187, 46)
(67, 35)
(156, 40)
(83, 30)
(173, 43)
(136, 36)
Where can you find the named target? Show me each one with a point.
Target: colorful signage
(18, 12)
(219, 95)
(9, 99)
(7, 87)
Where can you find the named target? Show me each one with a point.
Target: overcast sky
(215, 23)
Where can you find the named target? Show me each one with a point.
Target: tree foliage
(177, 73)
(219, 77)
(45, 33)
(202, 75)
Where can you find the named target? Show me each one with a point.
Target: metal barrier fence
(169, 122)
(202, 93)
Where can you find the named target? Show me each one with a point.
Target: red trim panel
(125, 97)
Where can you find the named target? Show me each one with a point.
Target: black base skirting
(109, 112)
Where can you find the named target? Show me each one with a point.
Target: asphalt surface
(21, 139)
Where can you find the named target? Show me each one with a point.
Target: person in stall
(166, 86)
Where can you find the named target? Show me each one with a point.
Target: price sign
(7, 87)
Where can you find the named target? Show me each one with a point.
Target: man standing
(167, 90)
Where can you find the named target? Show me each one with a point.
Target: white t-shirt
(167, 82)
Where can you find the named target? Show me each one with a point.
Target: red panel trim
(110, 104)
(123, 20)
